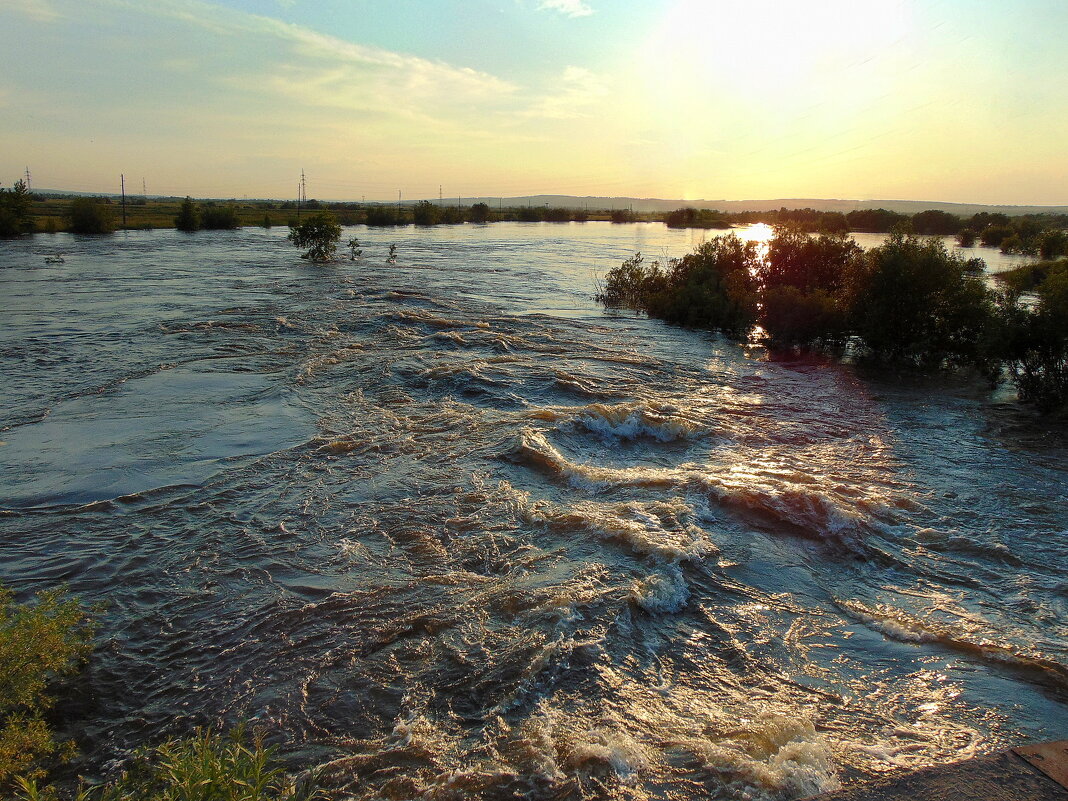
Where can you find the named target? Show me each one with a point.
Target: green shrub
(426, 213)
(879, 221)
(319, 233)
(219, 218)
(204, 767)
(694, 218)
(384, 215)
(1035, 340)
(1053, 243)
(188, 218)
(966, 237)
(631, 284)
(713, 287)
(39, 643)
(935, 222)
(802, 278)
(910, 300)
(90, 215)
(993, 235)
(480, 213)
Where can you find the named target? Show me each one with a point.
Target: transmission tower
(29, 183)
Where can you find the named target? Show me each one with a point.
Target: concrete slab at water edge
(1032, 773)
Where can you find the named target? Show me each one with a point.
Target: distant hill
(646, 204)
(658, 204)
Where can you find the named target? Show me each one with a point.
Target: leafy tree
(834, 222)
(1053, 243)
(630, 285)
(966, 237)
(480, 213)
(188, 218)
(39, 644)
(1035, 340)
(935, 222)
(219, 218)
(693, 218)
(319, 233)
(90, 215)
(384, 215)
(802, 278)
(993, 235)
(879, 221)
(426, 213)
(15, 210)
(911, 300)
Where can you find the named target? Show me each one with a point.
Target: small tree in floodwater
(392, 254)
(319, 233)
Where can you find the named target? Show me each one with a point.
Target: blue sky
(922, 99)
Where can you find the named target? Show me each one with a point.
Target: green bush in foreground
(205, 767)
(319, 233)
(39, 643)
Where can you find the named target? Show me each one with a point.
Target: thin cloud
(569, 8)
(580, 89)
(39, 10)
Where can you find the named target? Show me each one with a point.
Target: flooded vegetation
(444, 527)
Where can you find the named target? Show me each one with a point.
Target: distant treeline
(22, 212)
(909, 302)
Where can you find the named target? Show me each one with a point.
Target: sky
(948, 100)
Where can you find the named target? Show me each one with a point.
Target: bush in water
(319, 233)
(1035, 338)
(912, 301)
(713, 287)
(802, 280)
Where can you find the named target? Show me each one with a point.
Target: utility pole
(122, 181)
(439, 195)
(302, 192)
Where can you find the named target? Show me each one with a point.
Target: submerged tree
(913, 301)
(802, 280)
(319, 233)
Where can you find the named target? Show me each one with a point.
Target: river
(453, 530)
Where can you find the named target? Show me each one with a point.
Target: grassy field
(50, 213)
